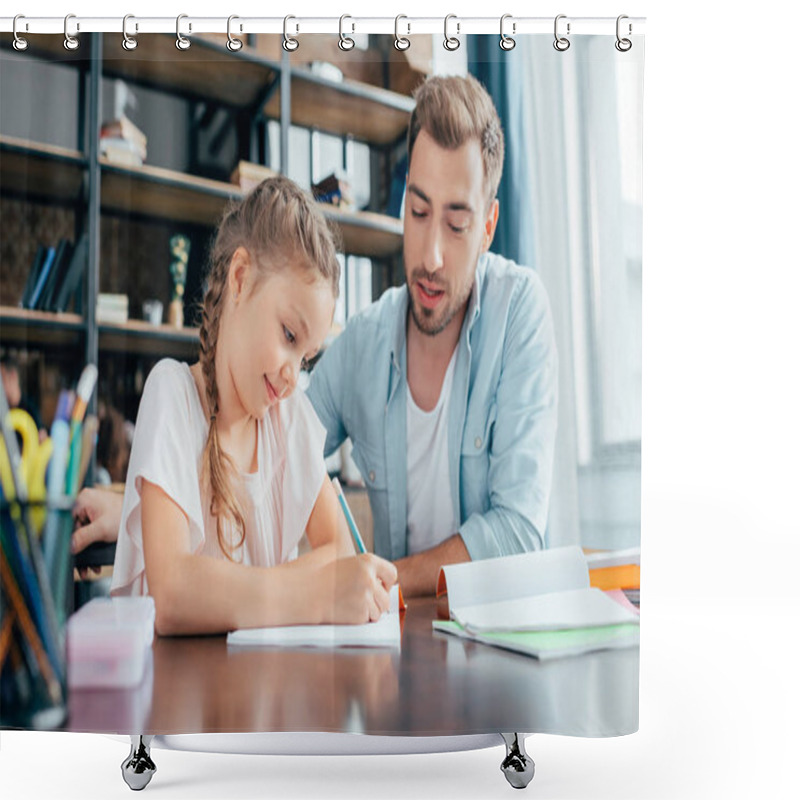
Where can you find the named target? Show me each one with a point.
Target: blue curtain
(503, 76)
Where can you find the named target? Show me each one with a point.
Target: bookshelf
(254, 85)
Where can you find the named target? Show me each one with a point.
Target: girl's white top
(277, 499)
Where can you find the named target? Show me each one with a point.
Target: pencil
(28, 628)
(351, 523)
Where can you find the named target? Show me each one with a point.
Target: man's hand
(417, 574)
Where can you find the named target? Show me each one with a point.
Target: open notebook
(383, 633)
(539, 603)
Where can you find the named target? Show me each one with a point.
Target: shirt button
(372, 476)
(478, 442)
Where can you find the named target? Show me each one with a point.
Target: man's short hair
(453, 110)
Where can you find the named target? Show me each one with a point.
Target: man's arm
(417, 574)
(523, 438)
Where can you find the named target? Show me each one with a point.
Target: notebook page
(509, 577)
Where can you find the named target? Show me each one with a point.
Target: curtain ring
(623, 45)
(234, 45)
(71, 43)
(290, 44)
(400, 42)
(451, 42)
(181, 42)
(506, 42)
(561, 43)
(20, 44)
(128, 42)
(346, 42)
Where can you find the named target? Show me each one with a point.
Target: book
(546, 591)
(121, 151)
(112, 308)
(60, 265)
(614, 569)
(123, 130)
(546, 645)
(248, 175)
(383, 633)
(33, 276)
(41, 278)
(72, 275)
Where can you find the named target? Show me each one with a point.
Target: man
(447, 386)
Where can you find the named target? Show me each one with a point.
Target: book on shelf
(539, 603)
(248, 175)
(41, 277)
(54, 275)
(112, 308)
(33, 276)
(335, 190)
(70, 281)
(60, 264)
(122, 135)
(122, 152)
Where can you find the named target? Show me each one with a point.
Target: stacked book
(54, 276)
(121, 142)
(248, 175)
(540, 604)
(112, 308)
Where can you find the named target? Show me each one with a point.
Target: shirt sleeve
(304, 468)
(164, 452)
(325, 391)
(523, 442)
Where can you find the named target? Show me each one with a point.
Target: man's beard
(425, 318)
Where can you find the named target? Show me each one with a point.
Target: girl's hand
(355, 590)
(97, 514)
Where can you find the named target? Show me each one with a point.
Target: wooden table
(435, 685)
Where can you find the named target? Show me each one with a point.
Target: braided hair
(281, 227)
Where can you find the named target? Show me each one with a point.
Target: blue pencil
(349, 517)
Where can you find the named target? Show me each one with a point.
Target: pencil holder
(35, 602)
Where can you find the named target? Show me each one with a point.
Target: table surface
(434, 685)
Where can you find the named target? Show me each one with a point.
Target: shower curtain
(116, 166)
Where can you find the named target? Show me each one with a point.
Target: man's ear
(238, 273)
(490, 224)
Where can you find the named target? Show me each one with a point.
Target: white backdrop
(720, 533)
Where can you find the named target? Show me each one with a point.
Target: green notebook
(551, 644)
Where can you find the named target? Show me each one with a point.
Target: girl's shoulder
(170, 385)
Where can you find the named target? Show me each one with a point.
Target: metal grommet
(506, 42)
(623, 45)
(20, 44)
(128, 42)
(234, 45)
(400, 42)
(71, 43)
(346, 42)
(561, 43)
(181, 42)
(290, 44)
(451, 42)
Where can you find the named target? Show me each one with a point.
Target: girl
(226, 468)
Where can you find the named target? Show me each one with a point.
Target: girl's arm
(327, 529)
(196, 594)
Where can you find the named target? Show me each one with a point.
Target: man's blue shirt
(502, 418)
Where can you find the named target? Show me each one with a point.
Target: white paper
(383, 633)
(510, 577)
(580, 608)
